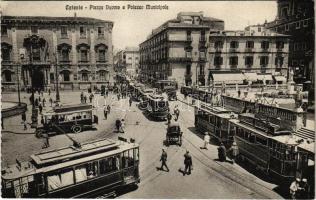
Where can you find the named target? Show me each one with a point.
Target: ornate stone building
(297, 19)
(255, 51)
(32, 48)
(177, 49)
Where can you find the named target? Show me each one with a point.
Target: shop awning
(280, 78)
(251, 76)
(228, 78)
(267, 77)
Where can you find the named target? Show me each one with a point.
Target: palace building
(256, 52)
(128, 61)
(36, 51)
(177, 49)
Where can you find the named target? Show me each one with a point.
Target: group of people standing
(300, 189)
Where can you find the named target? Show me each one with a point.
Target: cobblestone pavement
(209, 178)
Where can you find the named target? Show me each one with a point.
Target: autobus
(268, 147)
(87, 170)
(67, 118)
(215, 121)
(158, 106)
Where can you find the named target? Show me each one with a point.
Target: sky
(131, 27)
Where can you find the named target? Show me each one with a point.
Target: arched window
(84, 76)
(63, 52)
(6, 51)
(101, 51)
(83, 50)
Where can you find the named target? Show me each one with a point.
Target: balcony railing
(233, 66)
(189, 39)
(180, 59)
(202, 58)
(279, 49)
(233, 49)
(265, 49)
(64, 61)
(218, 49)
(202, 39)
(249, 50)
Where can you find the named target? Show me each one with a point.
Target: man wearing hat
(163, 160)
(294, 188)
(304, 189)
(206, 139)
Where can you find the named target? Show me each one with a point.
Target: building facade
(128, 61)
(253, 50)
(296, 18)
(178, 49)
(39, 50)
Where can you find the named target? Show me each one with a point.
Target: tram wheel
(76, 129)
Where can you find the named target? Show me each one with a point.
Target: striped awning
(280, 78)
(251, 76)
(228, 78)
(267, 77)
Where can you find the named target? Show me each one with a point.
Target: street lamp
(56, 74)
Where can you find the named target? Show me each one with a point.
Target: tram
(214, 120)
(158, 106)
(268, 147)
(68, 118)
(76, 171)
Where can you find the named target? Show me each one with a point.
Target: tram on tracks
(67, 118)
(269, 148)
(197, 93)
(158, 106)
(214, 120)
(83, 170)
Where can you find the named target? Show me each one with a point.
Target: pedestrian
(51, 101)
(46, 143)
(118, 96)
(294, 188)
(305, 189)
(163, 160)
(23, 116)
(25, 125)
(40, 107)
(206, 140)
(44, 101)
(169, 117)
(42, 120)
(2, 125)
(49, 92)
(177, 113)
(42, 93)
(81, 97)
(36, 102)
(187, 163)
(39, 98)
(234, 151)
(222, 152)
(123, 126)
(130, 102)
(105, 112)
(109, 109)
(118, 125)
(107, 93)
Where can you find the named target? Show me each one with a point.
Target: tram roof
(13, 172)
(74, 107)
(284, 139)
(215, 109)
(71, 152)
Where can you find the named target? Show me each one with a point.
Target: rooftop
(45, 19)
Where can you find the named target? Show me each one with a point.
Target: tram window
(261, 141)
(60, 179)
(128, 158)
(109, 164)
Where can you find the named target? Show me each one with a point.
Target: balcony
(279, 50)
(265, 49)
(232, 50)
(189, 38)
(202, 59)
(180, 59)
(6, 62)
(64, 61)
(233, 67)
(101, 61)
(218, 49)
(249, 50)
(218, 67)
(202, 39)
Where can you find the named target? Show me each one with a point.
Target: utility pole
(56, 74)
